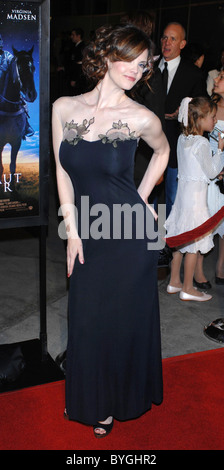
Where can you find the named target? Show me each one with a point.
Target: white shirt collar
(172, 67)
(172, 64)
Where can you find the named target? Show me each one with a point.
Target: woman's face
(219, 84)
(126, 74)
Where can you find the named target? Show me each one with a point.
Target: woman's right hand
(74, 248)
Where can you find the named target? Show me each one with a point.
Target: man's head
(77, 35)
(172, 41)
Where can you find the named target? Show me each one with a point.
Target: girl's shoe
(201, 298)
(173, 290)
(106, 427)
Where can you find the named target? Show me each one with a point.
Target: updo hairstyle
(116, 43)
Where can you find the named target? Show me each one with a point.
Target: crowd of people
(134, 113)
(67, 62)
(188, 78)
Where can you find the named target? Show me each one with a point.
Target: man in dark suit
(76, 78)
(183, 79)
(150, 95)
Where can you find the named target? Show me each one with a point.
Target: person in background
(195, 53)
(196, 166)
(212, 74)
(215, 195)
(76, 78)
(151, 95)
(181, 79)
(216, 187)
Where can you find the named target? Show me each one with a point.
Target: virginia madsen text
(21, 15)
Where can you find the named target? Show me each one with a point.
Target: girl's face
(126, 74)
(219, 84)
(208, 122)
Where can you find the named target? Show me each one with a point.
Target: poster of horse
(19, 109)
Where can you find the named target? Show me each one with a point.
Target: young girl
(195, 167)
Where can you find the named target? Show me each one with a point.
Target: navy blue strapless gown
(113, 365)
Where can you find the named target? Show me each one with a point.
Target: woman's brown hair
(116, 43)
(198, 108)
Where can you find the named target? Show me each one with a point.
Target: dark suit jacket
(75, 69)
(153, 99)
(75, 57)
(188, 81)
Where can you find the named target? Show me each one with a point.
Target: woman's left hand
(154, 213)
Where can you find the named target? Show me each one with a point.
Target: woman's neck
(220, 109)
(106, 95)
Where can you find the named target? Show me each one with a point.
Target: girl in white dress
(215, 197)
(196, 166)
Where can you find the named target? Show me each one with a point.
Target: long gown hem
(116, 416)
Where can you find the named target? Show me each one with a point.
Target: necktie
(165, 77)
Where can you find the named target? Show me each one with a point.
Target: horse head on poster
(25, 73)
(17, 89)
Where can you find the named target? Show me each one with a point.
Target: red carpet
(191, 416)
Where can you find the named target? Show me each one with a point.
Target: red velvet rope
(198, 232)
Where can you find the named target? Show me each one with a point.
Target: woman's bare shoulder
(141, 110)
(143, 117)
(67, 102)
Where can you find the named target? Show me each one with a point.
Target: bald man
(184, 79)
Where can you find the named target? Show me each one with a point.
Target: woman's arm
(66, 196)
(154, 136)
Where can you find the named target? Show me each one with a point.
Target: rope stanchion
(196, 233)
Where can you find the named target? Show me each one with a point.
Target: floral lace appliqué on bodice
(74, 132)
(119, 132)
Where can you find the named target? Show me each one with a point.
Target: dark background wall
(203, 20)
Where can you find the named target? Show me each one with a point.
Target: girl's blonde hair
(198, 108)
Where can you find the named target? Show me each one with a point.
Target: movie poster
(19, 109)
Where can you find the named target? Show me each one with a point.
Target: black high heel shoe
(219, 280)
(106, 427)
(202, 285)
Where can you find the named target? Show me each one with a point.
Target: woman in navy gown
(113, 365)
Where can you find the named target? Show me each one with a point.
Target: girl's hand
(221, 143)
(74, 248)
(220, 176)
